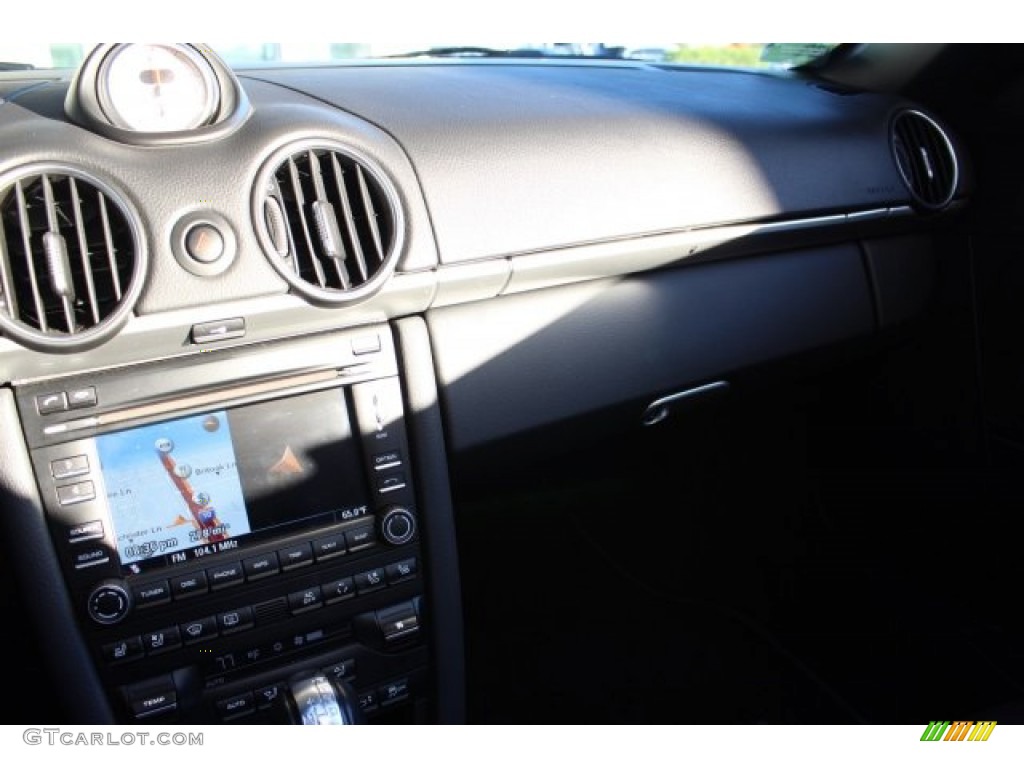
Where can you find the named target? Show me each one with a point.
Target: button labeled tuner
(398, 526)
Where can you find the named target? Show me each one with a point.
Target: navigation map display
(183, 489)
(172, 486)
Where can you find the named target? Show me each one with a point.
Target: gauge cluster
(157, 94)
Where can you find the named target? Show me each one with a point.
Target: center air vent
(329, 220)
(926, 159)
(71, 258)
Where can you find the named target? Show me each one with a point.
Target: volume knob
(109, 602)
(398, 526)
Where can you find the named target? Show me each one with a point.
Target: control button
(340, 670)
(152, 594)
(366, 345)
(401, 571)
(269, 696)
(240, 705)
(109, 603)
(398, 622)
(197, 631)
(76, 493)
(296, 556)
(219, 330)
(305, 600)
(387, 460)
(368, 701)
(226, 575)
(89, 557)
(204, 243)
(261, 565)
(161, 641)
(398, 526)
(85, 532)
(360, 538)
(187, 584)
(235, 621)
(392, 693)
(153, 697)
(379, 412)
(52, 402)
(338, 590)
(370, 581)
(329, 546)
(72, 466)
(391, 483)
(83, 397)
(128, 649)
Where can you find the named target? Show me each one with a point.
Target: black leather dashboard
(578, 237)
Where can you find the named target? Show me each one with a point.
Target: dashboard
(258, 359)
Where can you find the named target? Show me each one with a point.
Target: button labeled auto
(237, 706)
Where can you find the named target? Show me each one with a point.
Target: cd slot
(226, 396)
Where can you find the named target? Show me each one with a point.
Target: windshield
(738, 55)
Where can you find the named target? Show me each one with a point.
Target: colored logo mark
(960, 730)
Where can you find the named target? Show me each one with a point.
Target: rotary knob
(109, 602)
(398, 526)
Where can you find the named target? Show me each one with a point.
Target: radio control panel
(227, 544)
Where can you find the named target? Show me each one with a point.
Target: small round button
(204, 243)
(398, 526)
(109, 603)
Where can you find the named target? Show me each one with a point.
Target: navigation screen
(195, 486)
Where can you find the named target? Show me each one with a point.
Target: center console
(241, 535)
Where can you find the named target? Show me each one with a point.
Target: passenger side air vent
(926, 159)
(72, 259)
(329, 220)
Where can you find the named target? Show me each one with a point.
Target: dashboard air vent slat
(350, 222)
(329, 220)
(71, 258)
(926, 159)
(83, 250)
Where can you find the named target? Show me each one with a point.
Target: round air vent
(926, 159)
(72, 258)
(329, 220)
